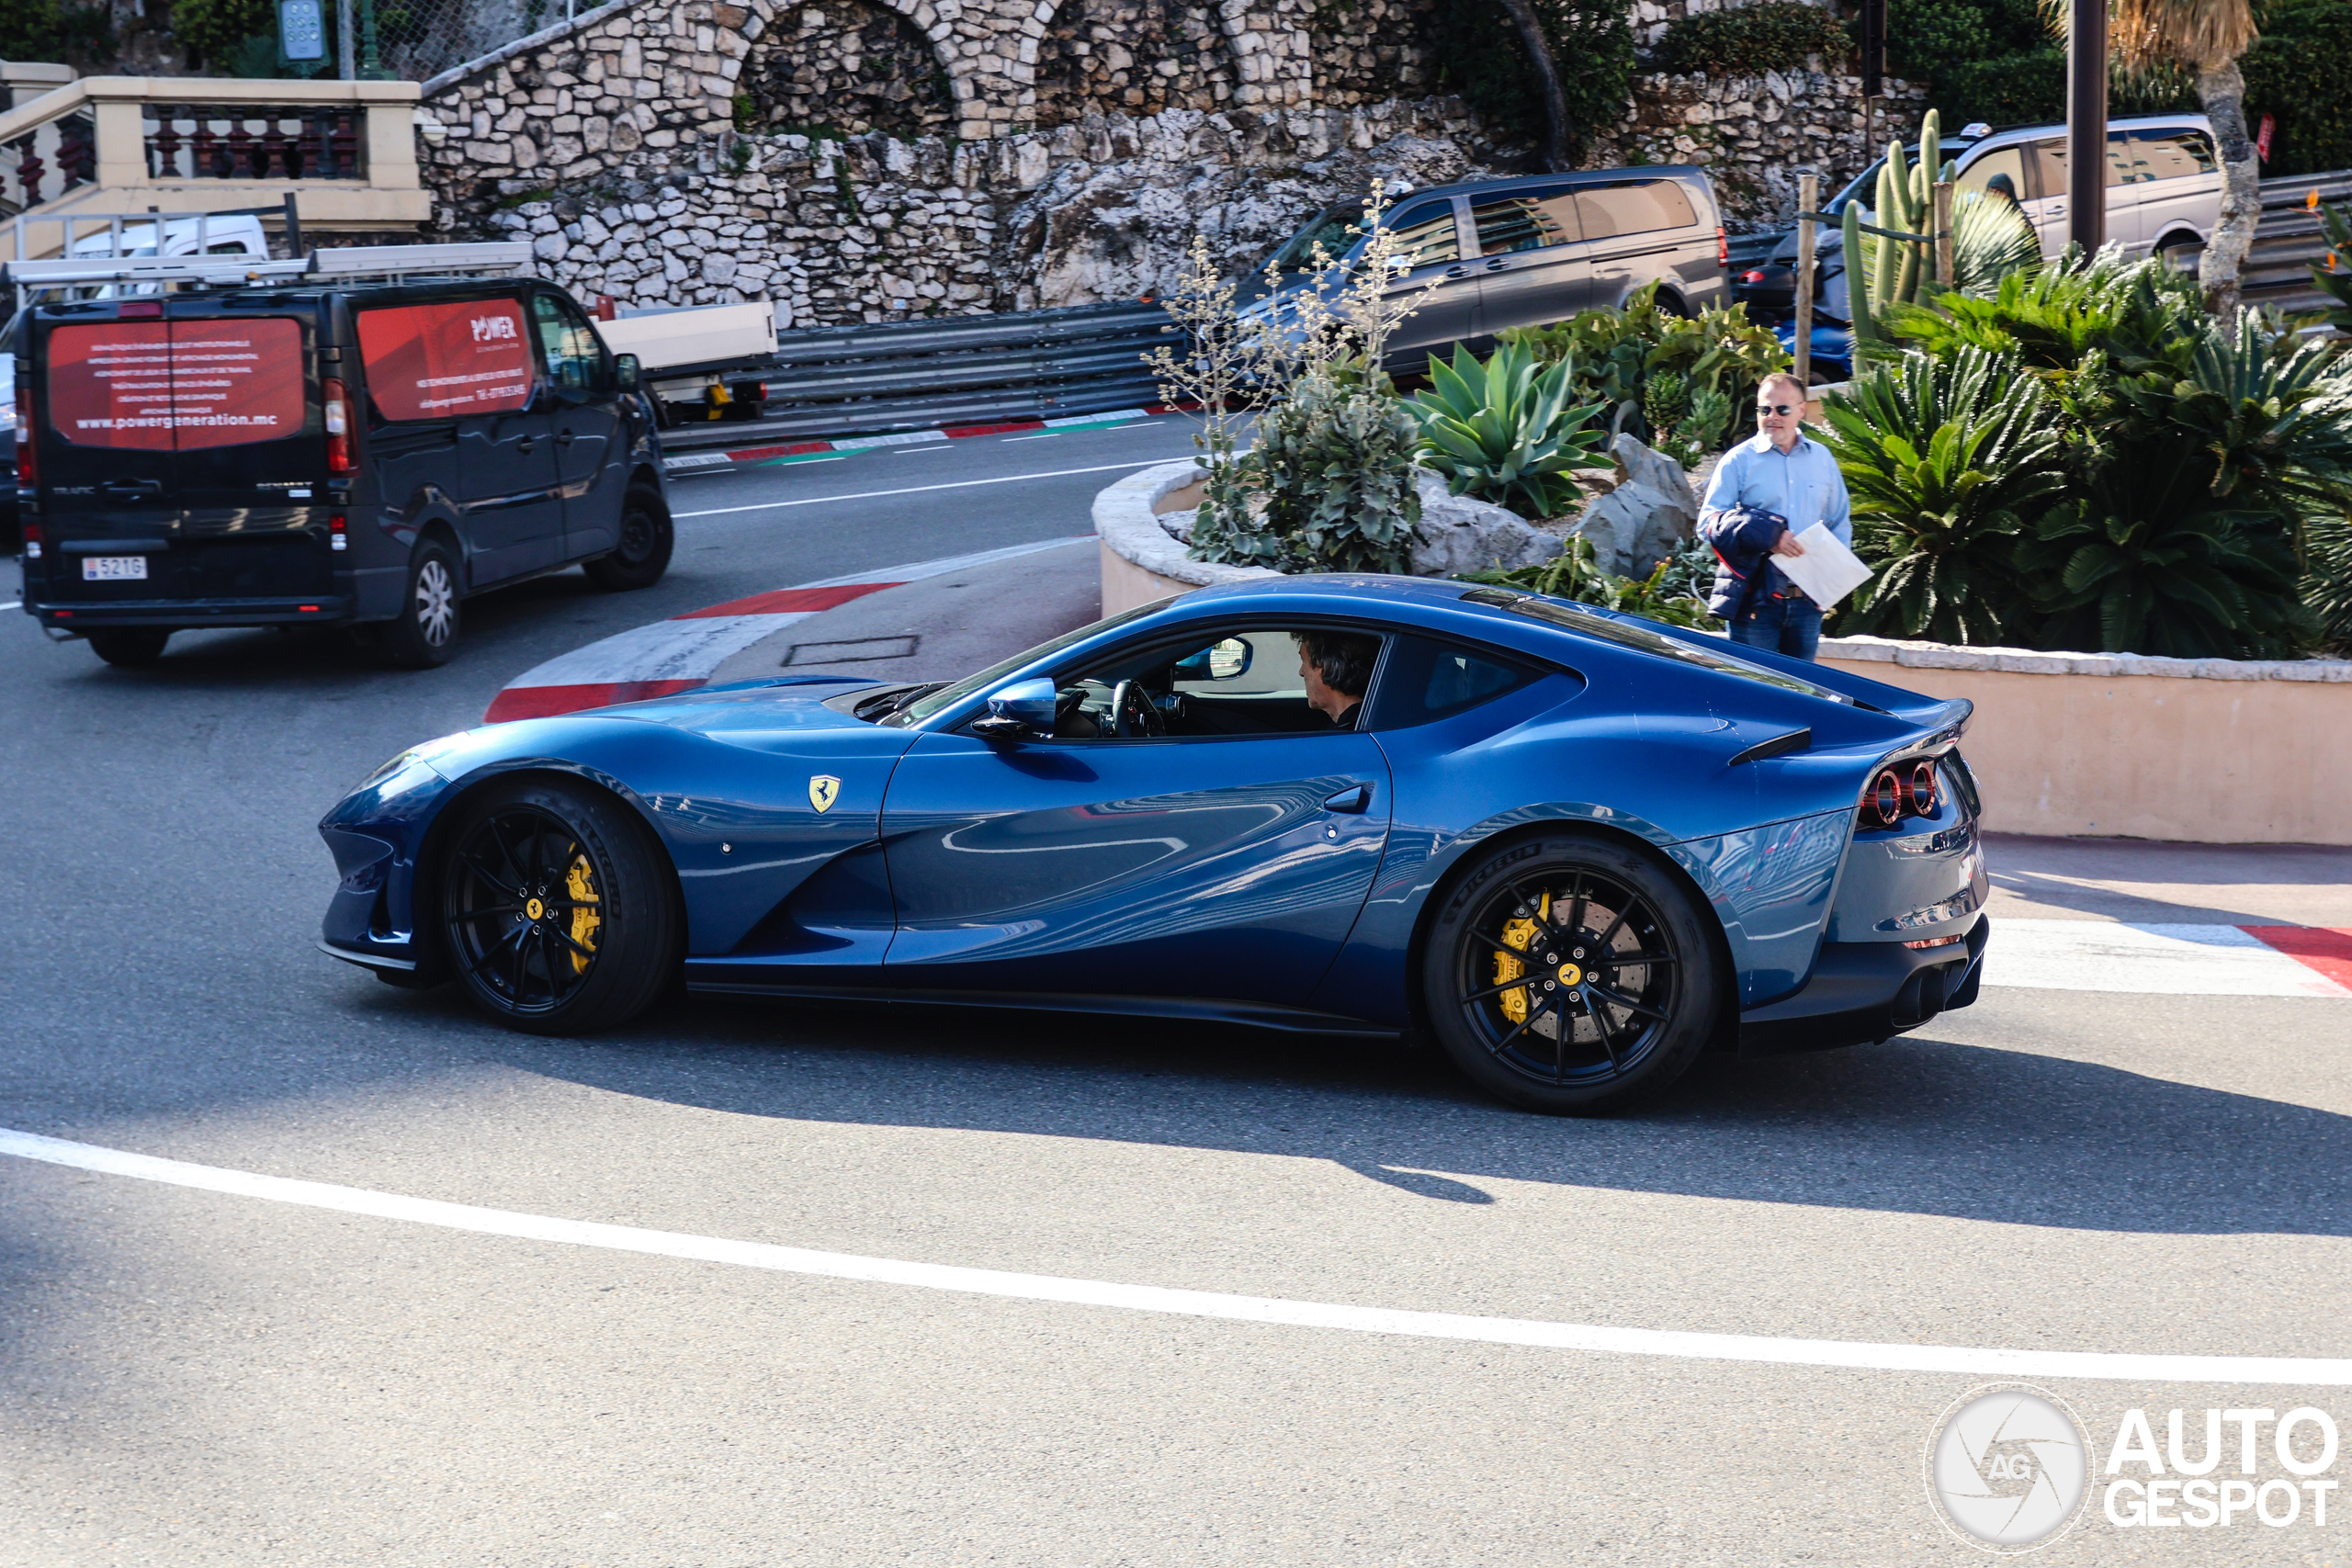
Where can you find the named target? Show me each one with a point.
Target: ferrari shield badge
(823, 790)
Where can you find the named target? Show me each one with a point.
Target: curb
(664, 658)
(686, 462)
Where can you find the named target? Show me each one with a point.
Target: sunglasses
(1776, 408)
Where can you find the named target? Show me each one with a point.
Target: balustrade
(200, 142)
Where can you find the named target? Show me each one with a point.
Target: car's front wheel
(557, 912)
(1570, 974)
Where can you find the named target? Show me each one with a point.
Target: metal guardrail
(870, 380)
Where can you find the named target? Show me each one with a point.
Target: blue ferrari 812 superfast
(1571, 848)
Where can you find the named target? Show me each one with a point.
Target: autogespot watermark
(2009, 1468)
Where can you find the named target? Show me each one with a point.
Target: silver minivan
(1522, 253)
(2163, 196)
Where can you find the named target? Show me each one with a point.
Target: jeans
(1790, 625)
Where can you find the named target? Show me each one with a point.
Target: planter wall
(1141, 561)
(2207, 751)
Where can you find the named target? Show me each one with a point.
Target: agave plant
(1949, 463)
(1504, 431)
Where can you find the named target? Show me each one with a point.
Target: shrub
(1477, 53)
(1616, 352)
(1576, 574)
(1334, 464)
(2301, 74)
(1948, 462)
(2327, 581)
(1506, 431)
(1776, 34)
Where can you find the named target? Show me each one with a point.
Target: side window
(1640, 208)
(1427, 680)
(574, 356)
(1425, 234)
(2177, 155)
(2002, 164)
(1233, 683)
(1526, 221)
(446, 360)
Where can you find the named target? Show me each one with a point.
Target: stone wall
(871, 159)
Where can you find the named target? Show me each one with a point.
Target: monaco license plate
(114, 569)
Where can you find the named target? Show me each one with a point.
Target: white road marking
(2155, 960)
(917, 490)
(1049, 436)
(1592, 1338)
(13, 604)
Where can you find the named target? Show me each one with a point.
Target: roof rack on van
(342, 265)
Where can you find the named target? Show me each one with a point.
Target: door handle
(130, 490)
(1352, 800)
(524, 446)
(1457, 272)
(563, 437)
(1498, 265)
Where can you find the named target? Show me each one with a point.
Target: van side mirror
(1016, 712)
(628, 376)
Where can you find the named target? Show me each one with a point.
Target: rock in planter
(1460, 533)
(1643, 520)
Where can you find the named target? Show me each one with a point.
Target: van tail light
(1723, 248)
(338, 535)
(338, 413)
(28, 462)
(32, 541)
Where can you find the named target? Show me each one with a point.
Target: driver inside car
(1250, 681)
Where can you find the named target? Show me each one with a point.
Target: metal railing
(869, 379)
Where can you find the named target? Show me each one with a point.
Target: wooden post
(1808, 193)
(1943, 232)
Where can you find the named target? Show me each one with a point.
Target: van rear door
(182, 462)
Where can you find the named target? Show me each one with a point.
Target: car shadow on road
(1922, 1124)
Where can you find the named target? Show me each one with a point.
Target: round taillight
(1919, 790)
(1884, 806)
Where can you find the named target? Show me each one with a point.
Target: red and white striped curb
(682, 652)
(2170, 960)
(688, 460)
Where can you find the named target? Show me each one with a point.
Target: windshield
(1864, 187)
(947, 696)
(1334, 229)
(1630, 634)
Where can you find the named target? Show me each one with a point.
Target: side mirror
(1022, 709)
(627, 372)
(1227, 660)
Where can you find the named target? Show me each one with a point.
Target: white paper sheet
(1827, 570)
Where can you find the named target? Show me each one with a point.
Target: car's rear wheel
(2183, 254)
(646, 540)
(425, 633)
(557, 912)
(1570, 974)
(130, 647)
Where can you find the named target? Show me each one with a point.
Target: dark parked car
(1522, 253)
(306, 449)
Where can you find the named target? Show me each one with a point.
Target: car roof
(1686, 173)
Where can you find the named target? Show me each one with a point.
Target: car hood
(784, 703)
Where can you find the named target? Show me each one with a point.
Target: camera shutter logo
(2007, 1467)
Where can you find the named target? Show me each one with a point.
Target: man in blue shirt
(1783, 472)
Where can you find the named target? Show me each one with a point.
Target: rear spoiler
(342, 263)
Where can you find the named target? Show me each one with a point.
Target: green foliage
(1948, 463)
(1334, 466)
(1615, 353)
(1991, 238)
(2301, 74)
(1477, 54)
(2326, 589)
(48, 30)
(216, 30)
(1508, 431)
(1576, 574)
(1996, 60)
(2206, 468)
(2333, 275)
(1773, 34)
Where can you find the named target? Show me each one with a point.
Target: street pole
(1808, 192)
(1942, 228)
(343, 41)
(2087, 124)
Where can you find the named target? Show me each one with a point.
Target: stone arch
(853, 67)
(1135, 57)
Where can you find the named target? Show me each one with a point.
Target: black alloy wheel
(558, 914)
(130, 647)
(425, 633)
(1570, 975)
(643, 554)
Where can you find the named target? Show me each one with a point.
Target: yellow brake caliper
(584, 918)
(1518, 934)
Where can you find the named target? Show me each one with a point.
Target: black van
(262, 453)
